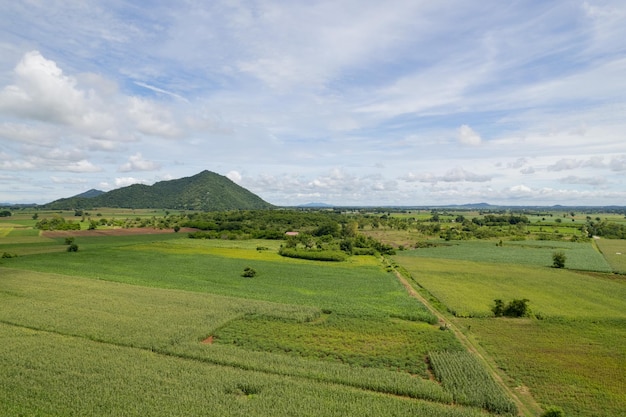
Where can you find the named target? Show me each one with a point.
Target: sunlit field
(569, 354)
(347, 334)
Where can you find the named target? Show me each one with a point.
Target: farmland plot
(342, 336)
(572, 356)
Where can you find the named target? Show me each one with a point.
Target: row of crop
(466, 378)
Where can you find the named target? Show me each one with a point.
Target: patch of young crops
(383, 343)
(466, 378)
(353, 288)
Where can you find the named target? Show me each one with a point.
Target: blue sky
(342, 102)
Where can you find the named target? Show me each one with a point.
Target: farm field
(171, 321)
(571, 355)
(614, 250)
(580, 255)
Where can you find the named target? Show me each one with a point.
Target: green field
(581, 256)
(120, 325)
(614, 250)
(165, 325)
(571, 355)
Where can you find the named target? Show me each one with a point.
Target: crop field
(571, 355)
(579, 256)
(166, 325)
(614, 250)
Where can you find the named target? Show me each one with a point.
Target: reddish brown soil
(113, 232)
(208, 340)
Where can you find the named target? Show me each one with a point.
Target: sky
(351, 102)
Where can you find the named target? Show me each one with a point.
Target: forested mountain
(205, 191)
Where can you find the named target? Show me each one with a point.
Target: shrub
(8, 255)
(72, 248)
(248, 272)
(553, 412)
(558, 259)
(69, 240)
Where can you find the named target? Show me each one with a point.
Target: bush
(8, 255)
(72, 248)
(69, 240)
(314, 255)
(553, 412)
(558, 259)
(248, 272)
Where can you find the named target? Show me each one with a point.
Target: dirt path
(529, 406)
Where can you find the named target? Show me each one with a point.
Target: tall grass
(468, 381)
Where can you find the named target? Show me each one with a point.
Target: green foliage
(249, 272)
(5, 213)
(57, 223)
(69, 240)
(610, 230)
(73, 247)
(515, 308)
(7, 255)
(314, 255)
(466, 378)
(558, 259)
(553, 412)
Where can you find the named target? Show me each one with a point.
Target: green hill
(206, 191)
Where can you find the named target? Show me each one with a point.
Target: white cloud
(453, 175)
(126, 181)
(467, 136)
(234, 176)
(138, 163)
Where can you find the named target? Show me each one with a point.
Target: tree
(515, 308)
(558, 259)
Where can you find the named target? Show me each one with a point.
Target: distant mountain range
(206, 191)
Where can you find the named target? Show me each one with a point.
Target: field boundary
(529, 407)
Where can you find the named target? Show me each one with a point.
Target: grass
(578, 365)
(581, 256)
(349, 288)
(614, 250)
(469, 288)
(573, 357)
